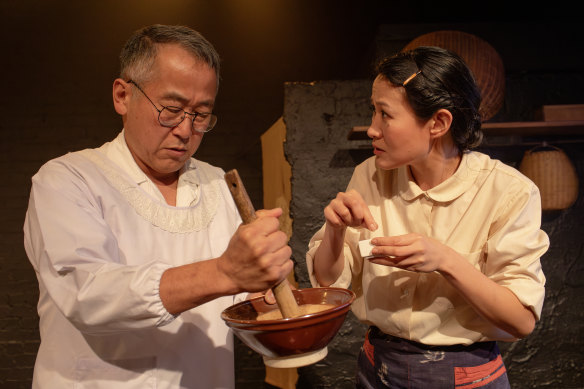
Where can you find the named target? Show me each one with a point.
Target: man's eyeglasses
(173, 116)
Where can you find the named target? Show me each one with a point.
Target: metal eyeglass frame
(212, 117)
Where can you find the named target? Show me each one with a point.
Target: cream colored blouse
(487, 211)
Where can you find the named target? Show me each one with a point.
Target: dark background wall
(59, 59)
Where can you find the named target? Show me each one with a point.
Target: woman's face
(398, 137)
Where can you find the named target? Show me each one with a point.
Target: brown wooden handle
(285, 299)
(240, 196)
(282, 291)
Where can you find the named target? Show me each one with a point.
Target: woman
(455, 263)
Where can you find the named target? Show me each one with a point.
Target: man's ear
(121, 95)
(440, 123)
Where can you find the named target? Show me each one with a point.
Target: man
(137, 246)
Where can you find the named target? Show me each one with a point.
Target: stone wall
(318, 117)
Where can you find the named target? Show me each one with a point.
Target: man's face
(179, 80)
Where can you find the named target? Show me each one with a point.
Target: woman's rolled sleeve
(515, 249)
(352, 263)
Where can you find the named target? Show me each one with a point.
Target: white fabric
(99, 243)
(188, 185)
(487, 211)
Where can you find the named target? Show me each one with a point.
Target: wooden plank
(358, 133)
(539, 128)
(561, 112)
(277, 174)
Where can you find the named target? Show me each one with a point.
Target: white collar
(188, 187)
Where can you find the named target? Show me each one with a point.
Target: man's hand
(258, 255)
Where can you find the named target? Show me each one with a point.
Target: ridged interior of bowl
(246, 312)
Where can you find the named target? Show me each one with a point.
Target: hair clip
(410, 78)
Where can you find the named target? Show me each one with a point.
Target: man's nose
(185, 128)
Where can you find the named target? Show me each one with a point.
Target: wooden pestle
(282, 291)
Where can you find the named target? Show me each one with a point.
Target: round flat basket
(482, 59)
(554, 174)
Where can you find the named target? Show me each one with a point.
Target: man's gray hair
(139, 53)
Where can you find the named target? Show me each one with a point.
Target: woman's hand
(349, 209)
(412, 252)
(268, 295)
(496, 303)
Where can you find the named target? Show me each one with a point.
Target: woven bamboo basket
(554, 174)
(482, 59)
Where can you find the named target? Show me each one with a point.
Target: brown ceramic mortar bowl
(292, 337)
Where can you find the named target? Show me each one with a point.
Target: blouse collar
(452, 188)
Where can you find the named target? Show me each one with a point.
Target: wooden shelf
(540, 128)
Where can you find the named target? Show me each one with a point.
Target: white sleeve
(78, 262)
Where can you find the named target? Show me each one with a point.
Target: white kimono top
(99, 236)
(487, 211)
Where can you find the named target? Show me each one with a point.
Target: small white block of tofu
(365, 248)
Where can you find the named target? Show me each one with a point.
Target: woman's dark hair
(435, 78)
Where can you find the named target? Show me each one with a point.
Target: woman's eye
(383, 114)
